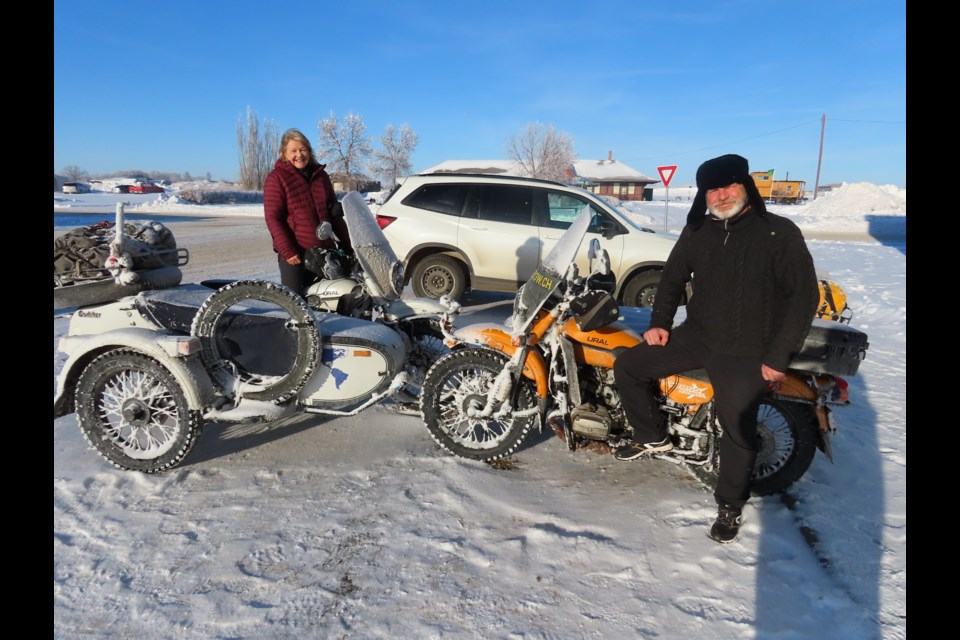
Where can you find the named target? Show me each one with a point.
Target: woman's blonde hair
(295, 134)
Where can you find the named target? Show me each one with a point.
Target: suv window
(563, 208)
(501, 203)
(442, 198)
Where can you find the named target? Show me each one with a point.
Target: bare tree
(73, 173)
(345, 147)
(257, 149)
(393, 159)
(542, 152)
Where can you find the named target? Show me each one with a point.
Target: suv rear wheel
(438, 275)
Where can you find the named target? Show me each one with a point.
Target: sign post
(666, 175)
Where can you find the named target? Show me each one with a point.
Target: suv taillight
(384, 221)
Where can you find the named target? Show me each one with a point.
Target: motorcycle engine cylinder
(591, 422)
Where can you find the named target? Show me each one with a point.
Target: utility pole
(816, 185)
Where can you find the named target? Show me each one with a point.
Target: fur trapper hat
(720, 172)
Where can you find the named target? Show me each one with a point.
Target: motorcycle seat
(173, 309)
(696, 374)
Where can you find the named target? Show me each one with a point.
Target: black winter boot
(726, 528)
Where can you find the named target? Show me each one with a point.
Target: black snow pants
(295, 276)
(738, 387)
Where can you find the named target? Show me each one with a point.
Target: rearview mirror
(325, 231)
(593, 251)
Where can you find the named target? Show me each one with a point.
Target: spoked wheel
(453, 399)
(134, 413)
(787, 441)
(787, 434)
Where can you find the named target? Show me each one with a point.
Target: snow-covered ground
(361, 528)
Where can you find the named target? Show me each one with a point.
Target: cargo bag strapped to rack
(96, 264)
(831, 347)
(82, 253)
(833, 303)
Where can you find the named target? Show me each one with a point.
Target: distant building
(779, 191)
(612, 178)
(604, 177)
(362, 183)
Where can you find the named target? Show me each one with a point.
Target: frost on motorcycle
(551, 365)
(146, 372)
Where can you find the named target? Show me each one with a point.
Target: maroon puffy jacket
(294, 208)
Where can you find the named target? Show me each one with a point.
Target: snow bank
(860, 207)
(858, 199)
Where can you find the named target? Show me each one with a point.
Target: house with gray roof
(604, 177)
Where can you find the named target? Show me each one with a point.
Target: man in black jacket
(754, 298)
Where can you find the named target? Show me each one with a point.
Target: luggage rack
(78, 275)
(118, 246)
(83, 286)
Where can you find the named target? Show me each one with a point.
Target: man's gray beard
(729, 213)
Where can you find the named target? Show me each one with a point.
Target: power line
(868, 121)
(761, 135)
(724, 144)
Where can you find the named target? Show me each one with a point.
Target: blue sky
(162, 86)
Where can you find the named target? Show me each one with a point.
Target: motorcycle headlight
(396, 277)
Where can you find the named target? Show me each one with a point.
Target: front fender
(411, 307)
(493, 336)
(163, 346)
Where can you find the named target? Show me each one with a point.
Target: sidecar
(146, 372)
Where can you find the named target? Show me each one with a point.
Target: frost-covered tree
(392, 160)
(542, 152)
(257, 146)
(344, 147)
(73, 173)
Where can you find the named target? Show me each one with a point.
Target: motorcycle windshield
(550, 272)
(373, 251)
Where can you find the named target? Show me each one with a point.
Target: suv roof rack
(497, 176)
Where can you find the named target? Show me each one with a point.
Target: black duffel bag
(329, 264)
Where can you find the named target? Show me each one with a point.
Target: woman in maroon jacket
(297, 197)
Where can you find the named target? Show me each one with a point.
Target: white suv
(456, 232)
